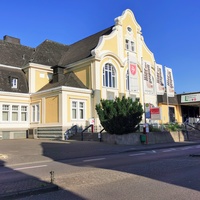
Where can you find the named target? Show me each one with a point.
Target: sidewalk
(32, 185)
(26, 187)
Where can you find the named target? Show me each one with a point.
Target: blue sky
(170, 28)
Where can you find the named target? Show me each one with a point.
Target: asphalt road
(167, 173)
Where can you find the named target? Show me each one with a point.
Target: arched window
(109, 76)
(127, 80)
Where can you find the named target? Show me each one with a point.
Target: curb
(34, 191)
(164, 146)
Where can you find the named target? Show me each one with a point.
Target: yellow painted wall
(146, 55)
(111, 45)
(165, 118)
(84, 75)
(178, 114)
(128, 22)
(39, 81)
(52, 109)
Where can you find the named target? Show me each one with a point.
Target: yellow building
(65, 82)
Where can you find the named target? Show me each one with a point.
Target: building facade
(48, 89)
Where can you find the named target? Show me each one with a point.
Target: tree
(120, 116)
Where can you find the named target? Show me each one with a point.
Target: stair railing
(68, 133)
(91, 125)
(187, 124)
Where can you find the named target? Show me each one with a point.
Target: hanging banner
(160, 85)
(169, 82)
(133, 73)
(147, 78)
(147, 110)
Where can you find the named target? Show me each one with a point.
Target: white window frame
(25, 112)
(132, 46)
(15, 110)
(11, 110)
(109, 76)
(35, 113)
(5, 109)
(129, 45)
(14, 82)
(78, 110)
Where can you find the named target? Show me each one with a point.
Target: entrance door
(171, 114)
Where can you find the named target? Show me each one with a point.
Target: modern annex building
(54, 86)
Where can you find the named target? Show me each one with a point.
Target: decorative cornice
(38, 66)
(14, 94)
(11, 67)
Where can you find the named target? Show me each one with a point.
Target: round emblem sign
(133, 69)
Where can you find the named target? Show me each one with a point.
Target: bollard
(99, 136)
(52, 176)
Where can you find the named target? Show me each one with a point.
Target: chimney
(11, 39)
(58, 73)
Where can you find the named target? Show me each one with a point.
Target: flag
(169, 82)
(147, 78)
(133, 73)
(160, 84)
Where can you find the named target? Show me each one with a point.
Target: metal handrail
(193, 127)
(68, 131)
(186, 123)
(100, 134)
(91, 125)
(102, 130)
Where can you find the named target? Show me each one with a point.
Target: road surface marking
(185, 148)
(29, 163)
(168, 150)
(31, 167)
(137, 154)
(94, 159)
(150, 152)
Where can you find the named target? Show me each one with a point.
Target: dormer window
(14, 82)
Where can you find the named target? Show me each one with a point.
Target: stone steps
(49, 132)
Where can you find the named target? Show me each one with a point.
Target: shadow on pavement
(17, 185)
(156, 168)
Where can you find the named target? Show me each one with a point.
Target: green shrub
(154, 129)
(120, 116)
(172, 127)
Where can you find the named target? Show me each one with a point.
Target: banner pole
(167, 94)
(129, 74)
(143, 90)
